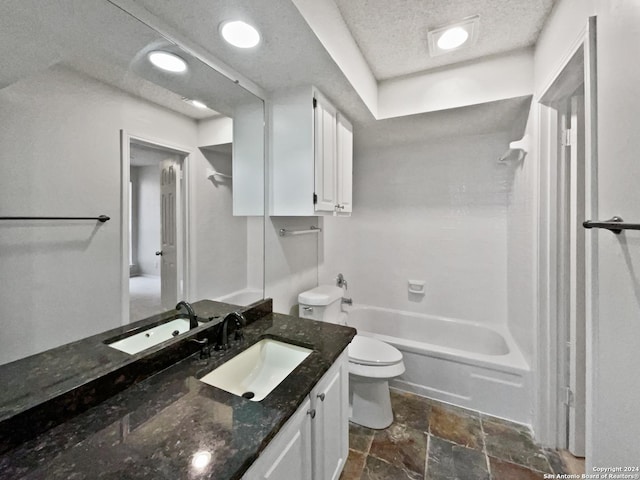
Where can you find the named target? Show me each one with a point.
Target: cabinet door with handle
(344, 165)
(288, 456)
(324, 133)
(330, 432)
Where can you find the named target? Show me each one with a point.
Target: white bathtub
(241, 297)
(464, 363)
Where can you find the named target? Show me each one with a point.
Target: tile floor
(435, 441)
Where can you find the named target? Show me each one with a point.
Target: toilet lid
(369, 351)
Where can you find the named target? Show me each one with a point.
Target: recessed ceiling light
(240, 34)
(167, 61)
(454, 36)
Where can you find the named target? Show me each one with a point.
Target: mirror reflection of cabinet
(312, 156)
(248, 160)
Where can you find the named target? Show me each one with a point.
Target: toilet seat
(371, 352)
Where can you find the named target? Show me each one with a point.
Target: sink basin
(254, 373)
(152, 336)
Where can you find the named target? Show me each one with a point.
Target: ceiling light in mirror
(454, 36)
(198, 104)
(240, 34)
(167, 61)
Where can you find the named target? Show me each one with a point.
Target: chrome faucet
(222, 342)
(340, 281)
(193, 319)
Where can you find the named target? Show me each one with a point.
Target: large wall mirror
(101, 115)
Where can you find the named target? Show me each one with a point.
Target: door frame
(550, 420)
(184, 216)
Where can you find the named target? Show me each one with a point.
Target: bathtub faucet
(347, 301)
(340, 281)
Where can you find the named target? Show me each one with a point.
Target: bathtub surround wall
(65, 160)
(522, 231)
(432, 211)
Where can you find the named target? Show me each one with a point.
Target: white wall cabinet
(311, 156)
(314, 443)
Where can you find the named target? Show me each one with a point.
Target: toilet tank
(321, 303)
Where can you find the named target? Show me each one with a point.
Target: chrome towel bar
(614, 224)
(284, 232)
(100, 218)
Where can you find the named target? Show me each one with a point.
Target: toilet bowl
(372, 363)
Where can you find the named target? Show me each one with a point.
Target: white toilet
(372, 363)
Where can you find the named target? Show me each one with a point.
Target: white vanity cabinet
(330, 427)
(288, 456)
(314, 443)
(311, 156)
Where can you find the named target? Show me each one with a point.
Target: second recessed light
(240, 34)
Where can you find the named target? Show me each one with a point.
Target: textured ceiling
(291, 55)
(392, 34)
(95, 38)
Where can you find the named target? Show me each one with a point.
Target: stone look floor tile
(573, 465)
(410, 410)
(376, 469)
(514, 444)
(555, 461)
(501, 470)
(447, 460)
(354, 466)
(401, 446)
(360, 437)
(456, 425)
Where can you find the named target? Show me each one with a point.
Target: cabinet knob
(339, 207)
(321, 397)
(312, 413)
(159, 253)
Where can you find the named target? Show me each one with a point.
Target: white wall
(616, 330)
(430, 211)
(223, 255)
(487, 80)
(613, 393)
(60, 155)
(291, 262)
(148, 220)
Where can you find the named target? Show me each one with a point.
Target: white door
(344, 161)
(169, 192)
(325, 155)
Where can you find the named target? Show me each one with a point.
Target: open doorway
(155, 223)
(568, 139)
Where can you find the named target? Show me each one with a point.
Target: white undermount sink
(152, 336)
(257, 370)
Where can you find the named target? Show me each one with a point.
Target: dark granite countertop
(153, 429)
(34, 379)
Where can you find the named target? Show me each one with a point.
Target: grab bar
(100, 218)
(614, 224)
(284, 232)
